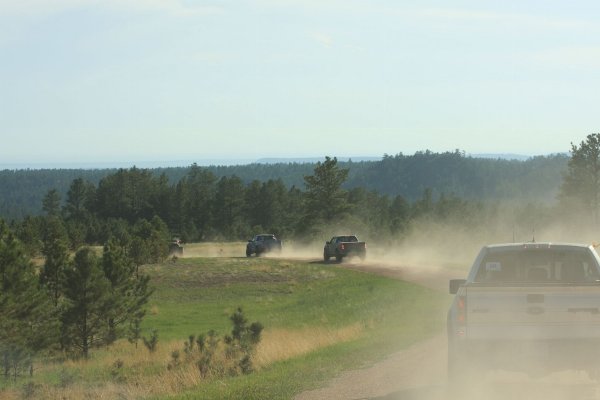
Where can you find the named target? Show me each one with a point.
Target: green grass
(291, 294)
(195, 295)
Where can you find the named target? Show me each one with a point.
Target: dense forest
(535, 179)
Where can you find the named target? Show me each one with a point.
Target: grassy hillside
(319, 319)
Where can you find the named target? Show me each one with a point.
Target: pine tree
(88, 304)
(325, 197)
(581, 184)
(27, 319)
(129, 292)
(51, 203)
(229, 206)
(55, 251)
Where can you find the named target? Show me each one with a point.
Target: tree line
(137, 207)
(472, 178)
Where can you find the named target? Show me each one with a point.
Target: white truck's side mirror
(455, 284)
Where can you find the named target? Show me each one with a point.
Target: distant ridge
(502, 156)
(203, 162)
(311, 160)
(214, 162)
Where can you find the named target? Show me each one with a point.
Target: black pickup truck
(343, 246)
(263, 243)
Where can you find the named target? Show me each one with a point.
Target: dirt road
(419, 372)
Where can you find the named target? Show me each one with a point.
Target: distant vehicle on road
(263, 243)
(344, 246)
(175, 247)
(529, 307)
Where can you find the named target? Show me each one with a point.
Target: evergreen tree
(130, 194)
(27, 320)
(294, 212)
(424, 206)
(51, 203)
(253, 207)
(88, 304)
(150, 242)
(273, 198)
(198, 203)
(79, 199)
(581, 184)
(325, 197)
(399, 214)
(29, 232)
(229, 207)
(80, 222)
(56, 255)
(129, 292)
(265, 206)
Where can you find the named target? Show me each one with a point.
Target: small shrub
(204, 364)
(243, 341)
(245, 364)
(231, 358)
(65, 378)
(30, 390)
(116, 371)
(134, 333)
(174, 360)
(207, 347)
(188, 346)
(152, 342)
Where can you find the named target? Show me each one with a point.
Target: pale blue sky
(127, 80)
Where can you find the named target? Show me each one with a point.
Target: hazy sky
(85, 80)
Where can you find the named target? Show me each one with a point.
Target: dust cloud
(238, 249)
(419, 373)
(214, 249)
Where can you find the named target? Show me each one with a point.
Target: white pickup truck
(530, 307)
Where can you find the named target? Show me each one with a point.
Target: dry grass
(215, 249)
(281, 344)
(276, 345)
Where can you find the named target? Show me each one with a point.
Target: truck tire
(339, 257)
(248, 253)
(325, 256)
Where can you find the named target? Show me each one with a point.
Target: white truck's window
(538, 265)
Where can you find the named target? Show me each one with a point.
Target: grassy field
(319, 320)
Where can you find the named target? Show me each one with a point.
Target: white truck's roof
(535, 245)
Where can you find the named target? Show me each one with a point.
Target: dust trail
(419, 373)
